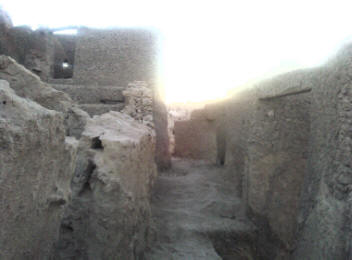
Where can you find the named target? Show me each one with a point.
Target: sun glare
(210, 47)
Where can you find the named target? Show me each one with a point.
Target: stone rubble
(139, 102)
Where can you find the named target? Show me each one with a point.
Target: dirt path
(197, 215)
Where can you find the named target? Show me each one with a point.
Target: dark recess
(97, 144)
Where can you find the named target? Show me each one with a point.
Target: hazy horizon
(210, 47)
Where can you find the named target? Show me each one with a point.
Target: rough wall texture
(196, 138)
(114, 57)
(325, 219)
(36, 166)
(28, 85)
(109, 216)
(91, 94)
(95, 100)
(118, 57)
(100, 58)
(162, 152)
(39, 47)
(267, 142)
(289, 153)
(39, 51)
(215, 112)
(278, 152)
(139, 102)
(33, 49)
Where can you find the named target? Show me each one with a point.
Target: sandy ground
(197, 216)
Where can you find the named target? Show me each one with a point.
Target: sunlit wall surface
(210, 47)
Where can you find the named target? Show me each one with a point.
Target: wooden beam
(286, 93)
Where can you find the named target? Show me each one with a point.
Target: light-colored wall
(114, 57)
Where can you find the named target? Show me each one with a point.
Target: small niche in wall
(66, 65)
(63, 67)
(63, 70)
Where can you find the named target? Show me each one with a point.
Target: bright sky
(210, 47)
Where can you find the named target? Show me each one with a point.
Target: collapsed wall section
(36, 166)
(109, 217)
(118, 57)
(115, 170)
(28, 85)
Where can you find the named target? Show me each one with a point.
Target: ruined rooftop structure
(94, 67)
(85, 167)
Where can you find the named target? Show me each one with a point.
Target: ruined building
(51, 85)
(287, 148)
(85, 168)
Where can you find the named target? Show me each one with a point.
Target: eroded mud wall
(117, 57)
(36, 166)
(267, 133)
(37, 161)
(289, 151)
(196, 138)
(277, 159)
(325, 215)
(109, 216)
(29, 85)
(40, 51)
(33, 49)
